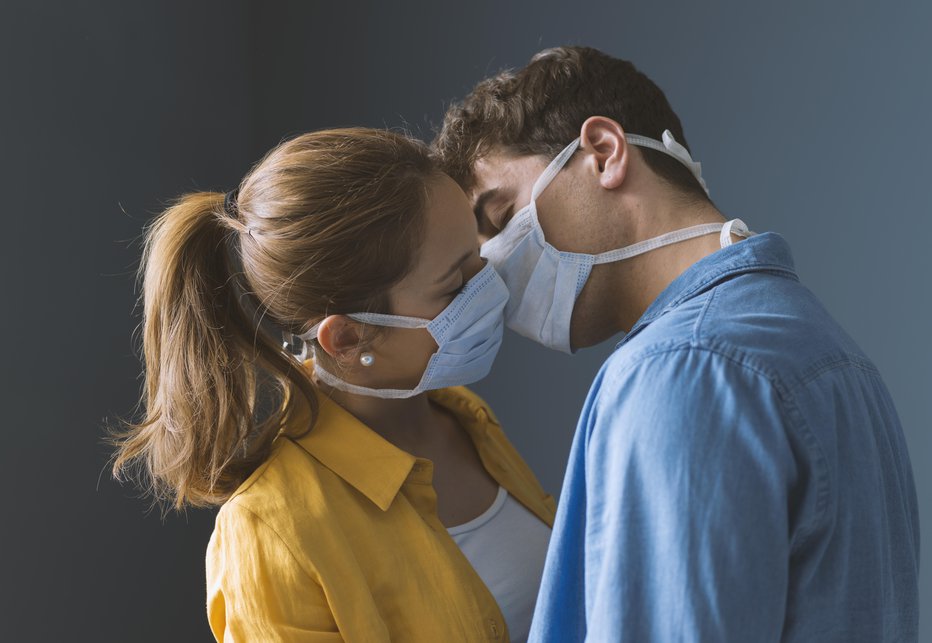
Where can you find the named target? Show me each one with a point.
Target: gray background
(810, 119)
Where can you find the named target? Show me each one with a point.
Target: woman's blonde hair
(326, 223)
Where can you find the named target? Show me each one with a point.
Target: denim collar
(766, 252)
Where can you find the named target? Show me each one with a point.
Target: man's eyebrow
(456, 265)
(479, 207)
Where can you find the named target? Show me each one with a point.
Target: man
(739, 472)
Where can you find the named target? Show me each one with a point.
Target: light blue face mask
(468, 333)
(545, 282)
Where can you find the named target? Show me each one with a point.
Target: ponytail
(326, 223)
(208, 365)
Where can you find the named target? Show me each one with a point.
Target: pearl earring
(367, 359)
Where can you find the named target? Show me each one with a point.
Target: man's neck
(656, 270)
(620, 292)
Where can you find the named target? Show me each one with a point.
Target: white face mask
(468, 333)
(544, 282)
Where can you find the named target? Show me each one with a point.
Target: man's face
(503, 185)
(570, 211)
(567, 209)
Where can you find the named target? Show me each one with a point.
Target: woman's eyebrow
(459, 262)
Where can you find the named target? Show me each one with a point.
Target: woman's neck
(403, 422)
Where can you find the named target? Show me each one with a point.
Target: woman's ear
(340, 338)
(604, 139)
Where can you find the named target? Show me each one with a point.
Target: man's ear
(604, 140)
(340, 338)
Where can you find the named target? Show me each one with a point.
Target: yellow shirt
(336, 538)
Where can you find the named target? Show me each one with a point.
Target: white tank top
(507, 545)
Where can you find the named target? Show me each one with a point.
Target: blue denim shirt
(738, 474)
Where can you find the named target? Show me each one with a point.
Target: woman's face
(447, 259)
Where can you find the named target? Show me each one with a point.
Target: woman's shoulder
(493, 444)
(266, 522)
(466, 402)
(288, 480)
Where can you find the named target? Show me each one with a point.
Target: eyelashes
(502, 219)
(491, 224)
(454, 293)
(485, 227)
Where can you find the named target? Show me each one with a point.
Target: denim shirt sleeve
(688, 486)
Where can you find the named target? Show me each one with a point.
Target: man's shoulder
(765, 323)
(681, 405)
(675, 370)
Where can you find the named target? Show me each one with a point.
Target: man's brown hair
(539, 109)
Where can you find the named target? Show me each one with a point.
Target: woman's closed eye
(453, 293)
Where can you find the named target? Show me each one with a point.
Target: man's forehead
(486, 173)
(499, 170)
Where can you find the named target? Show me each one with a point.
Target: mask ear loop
(735, 226)
(301, 345)
(671, 147)
(553, 169)
(392, 321)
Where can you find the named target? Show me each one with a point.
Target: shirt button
(494, 629)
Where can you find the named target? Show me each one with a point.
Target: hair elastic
(229, 202)
(231, 208)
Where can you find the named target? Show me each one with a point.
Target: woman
(365, 496)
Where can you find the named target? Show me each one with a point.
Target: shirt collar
(367, 461)
(766, 252)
